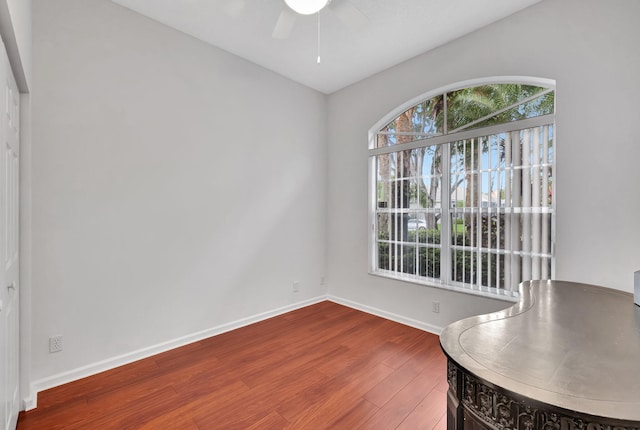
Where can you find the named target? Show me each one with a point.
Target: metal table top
(566, 344)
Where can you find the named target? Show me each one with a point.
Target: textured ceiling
(397, 31)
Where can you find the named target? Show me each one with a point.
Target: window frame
(446, 139)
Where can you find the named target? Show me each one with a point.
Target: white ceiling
(398, 30)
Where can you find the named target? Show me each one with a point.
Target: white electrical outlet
(436, 307)
(296, 286)
(55, 344)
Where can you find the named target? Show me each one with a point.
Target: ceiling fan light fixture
(306, 7)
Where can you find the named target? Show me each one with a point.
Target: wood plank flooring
(324, 366)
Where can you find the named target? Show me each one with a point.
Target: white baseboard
(387, 315)
(30, 402)
(111, 363)
(39, 385)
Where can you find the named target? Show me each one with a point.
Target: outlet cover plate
(55, 344)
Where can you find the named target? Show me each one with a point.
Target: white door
(9, 237)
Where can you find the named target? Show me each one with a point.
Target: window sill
(491, 293)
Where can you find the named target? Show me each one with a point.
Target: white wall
(590, 49)
(176, 187)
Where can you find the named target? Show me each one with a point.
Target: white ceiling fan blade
(285, 23)
(235, 8)
(350, 15)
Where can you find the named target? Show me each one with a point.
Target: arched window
(461, 187)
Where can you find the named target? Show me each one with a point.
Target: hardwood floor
(325, 366)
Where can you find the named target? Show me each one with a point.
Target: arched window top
(465, 108)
